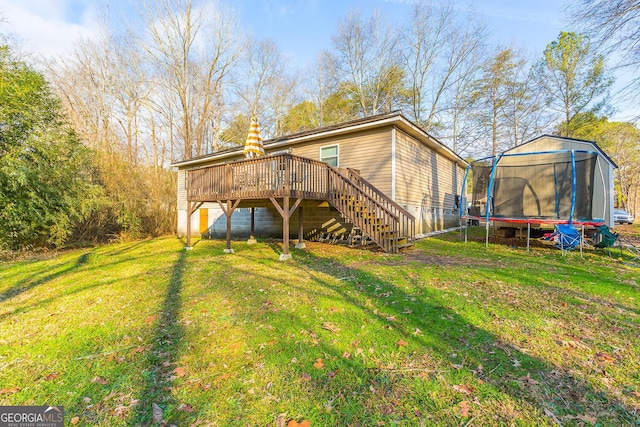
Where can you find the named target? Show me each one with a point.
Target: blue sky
(301, 28)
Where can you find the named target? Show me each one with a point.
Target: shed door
(204, 220)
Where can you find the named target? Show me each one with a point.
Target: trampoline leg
(528, 234)
(486, 241)
(581, 239)
(466, 231)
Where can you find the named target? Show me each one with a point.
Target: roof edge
(548, 135)
(394, 117)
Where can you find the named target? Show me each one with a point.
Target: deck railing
(379, 217)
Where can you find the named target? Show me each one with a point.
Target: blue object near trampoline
(566, 237)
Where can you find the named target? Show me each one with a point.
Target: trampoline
(547, 187)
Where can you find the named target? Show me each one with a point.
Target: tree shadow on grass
(32, 282)
(375, 366)
(457, 344)
(166, 342)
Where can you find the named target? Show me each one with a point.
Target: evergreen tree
(44, 169)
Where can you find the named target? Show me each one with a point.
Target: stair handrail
(386, 198)
(362, 192)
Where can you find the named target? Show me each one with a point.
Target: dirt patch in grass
(411, 256)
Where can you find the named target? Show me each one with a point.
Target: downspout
(573, 185)
(393, 164)
(463, 199)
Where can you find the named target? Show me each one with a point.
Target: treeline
(54, 187)
(183, 78)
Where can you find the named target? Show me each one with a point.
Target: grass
(448, 333)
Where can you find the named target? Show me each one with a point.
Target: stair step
(406, 245)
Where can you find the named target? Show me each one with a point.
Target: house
(602, 180)
(381, 175)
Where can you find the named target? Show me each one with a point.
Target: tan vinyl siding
(427, 184)
(424, 177)
(368, 152)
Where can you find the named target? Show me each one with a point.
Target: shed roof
(595, 146)
(395, 118)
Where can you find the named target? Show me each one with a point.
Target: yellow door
(204, 220)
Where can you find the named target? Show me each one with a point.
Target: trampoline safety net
(549, 185)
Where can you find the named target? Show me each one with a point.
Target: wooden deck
(286, 180)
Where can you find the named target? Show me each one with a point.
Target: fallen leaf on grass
(463, 408)
(464, 388)
(416, 332)
(121, 411)
(516, 363)
(51, 376)
(136, 350)
(318, 363)
(329, 326)
(604, 357)
(551, 415)
(75, 420)
(280, 421)
(180, 371)
(99, 380)
(157, 413)
(402, 343)
(150, 319)
(528, 380)
(186, 408)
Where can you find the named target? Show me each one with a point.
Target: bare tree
(368, 61)
(614, 26)
(322, 83)
(193, 46)
(440, 47)
(260, 66)
(523, 110)
(263, 86)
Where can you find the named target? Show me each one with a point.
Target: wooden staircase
(385, 222)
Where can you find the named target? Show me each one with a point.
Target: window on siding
(329, 155)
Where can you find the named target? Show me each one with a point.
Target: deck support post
(286, 213)
(188, 247)
(300, 244)
(252, 238)
(285, 230)
(228, 211)
(191, 208)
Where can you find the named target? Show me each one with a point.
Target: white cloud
(49, 27)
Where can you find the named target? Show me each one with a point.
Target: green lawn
(448, 333)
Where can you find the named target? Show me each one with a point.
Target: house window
(329, 155)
